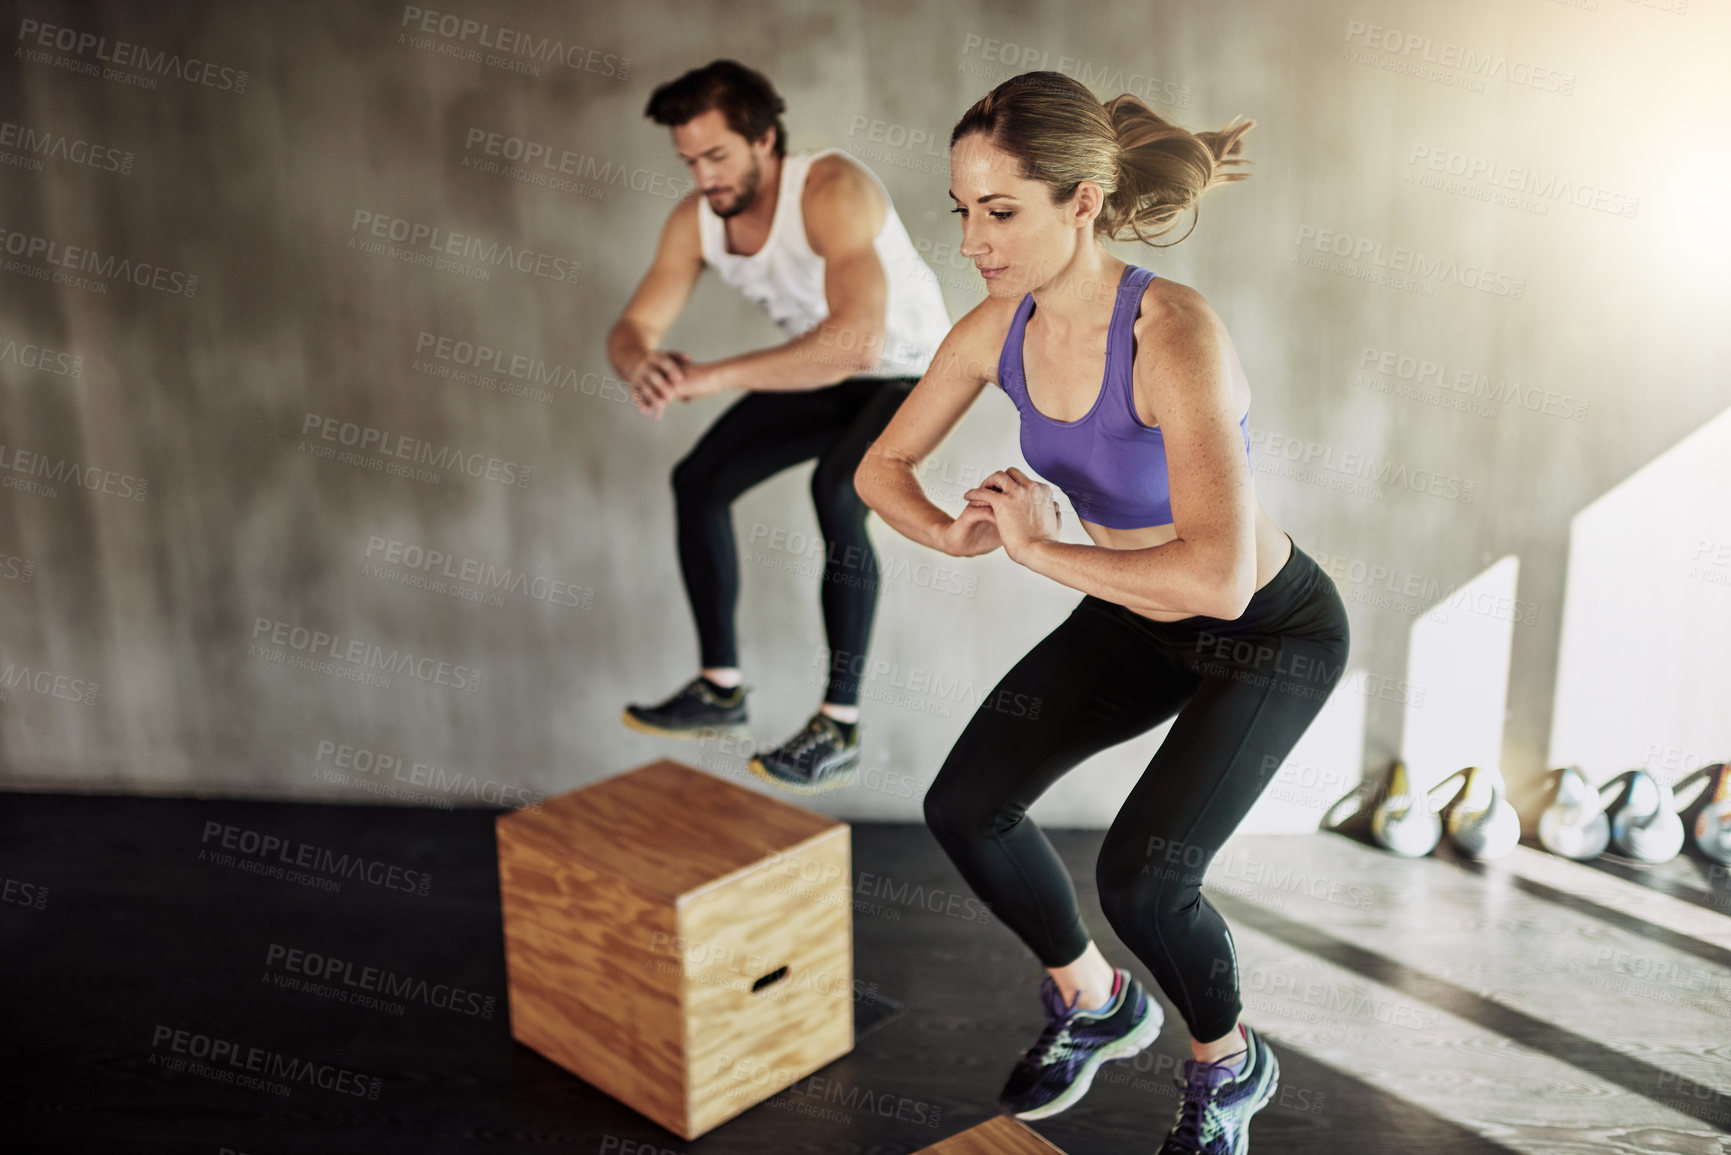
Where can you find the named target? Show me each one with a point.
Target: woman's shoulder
(1172, 309)
(1178, 332)
(1165, 297)
(982, 331)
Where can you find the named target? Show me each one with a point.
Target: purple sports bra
(1110, 465)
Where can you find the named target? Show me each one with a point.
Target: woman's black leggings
(761, 434)
(1244, 691)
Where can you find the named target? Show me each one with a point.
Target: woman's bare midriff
(1272, 550)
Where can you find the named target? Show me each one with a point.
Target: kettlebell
(1407, 820)
(1483, 823)
(1574, 824)
(1644, 821)
(1712, 828)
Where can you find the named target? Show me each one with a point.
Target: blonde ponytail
(1163, 170)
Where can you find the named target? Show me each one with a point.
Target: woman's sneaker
(696, 710)
(1057, 1071)
(1215, 1105)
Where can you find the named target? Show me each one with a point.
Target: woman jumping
(1196, 606)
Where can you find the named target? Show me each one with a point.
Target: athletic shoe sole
(757, 767)
(1134, 1043)
(707, 730)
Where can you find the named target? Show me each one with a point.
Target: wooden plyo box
(1000, 1136)
(678, 941)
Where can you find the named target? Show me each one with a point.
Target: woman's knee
(946, 813)
(956, 813)
(1143, 891)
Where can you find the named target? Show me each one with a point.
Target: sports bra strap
(1120, 351)
(1011, 378)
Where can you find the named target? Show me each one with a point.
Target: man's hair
(745, 97)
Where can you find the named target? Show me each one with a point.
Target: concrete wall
(1476, 280)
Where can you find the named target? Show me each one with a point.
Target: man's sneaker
(1215, 1105)
(695, 711)
(816, 759)
(1057, 1071)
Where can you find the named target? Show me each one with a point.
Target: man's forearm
(823, 356)
(1164, 578)
(625, 348)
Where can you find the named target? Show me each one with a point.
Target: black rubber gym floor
(122, 937)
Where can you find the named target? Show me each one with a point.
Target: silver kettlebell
(1482, 823)
(1712, 829)
(1574, 825)
(1407, 821)
(1644, 821)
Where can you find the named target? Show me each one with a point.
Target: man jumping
(815, 241)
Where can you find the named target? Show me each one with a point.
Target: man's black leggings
(761, 434)
(1243, 690)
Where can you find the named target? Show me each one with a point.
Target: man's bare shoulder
(836, 182)
(682, 235)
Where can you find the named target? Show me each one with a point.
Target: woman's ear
(1088, 202)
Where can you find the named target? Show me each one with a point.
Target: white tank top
(785, 278)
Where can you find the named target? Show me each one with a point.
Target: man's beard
(746, 198)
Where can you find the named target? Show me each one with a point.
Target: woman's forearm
(1173, 577)
(892, 489)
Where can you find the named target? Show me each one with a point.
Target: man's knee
(833, 492)
(686, 474)
(695, 480)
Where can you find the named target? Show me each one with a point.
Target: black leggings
(1244, 691)
(758, 436)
